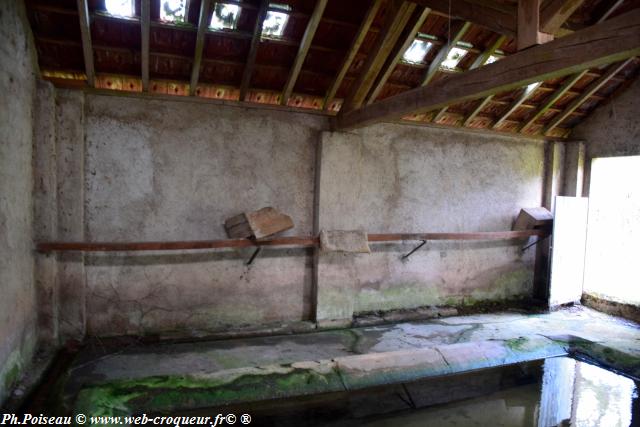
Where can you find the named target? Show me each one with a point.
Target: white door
(568, 249)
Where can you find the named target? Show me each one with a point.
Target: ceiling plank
(87, 50)
(478, 62)
(556, 12)
(145, 22)
(460, 30)
(589, 90)
(303, 49)
(610, 41)
(203, 24)
(497, 17)
(253, 50)
(353, 51)
(413, 26)
(398, 17)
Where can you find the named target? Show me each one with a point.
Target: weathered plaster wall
(392, 178)
(612, 130)
(17, 293)
(171, 170)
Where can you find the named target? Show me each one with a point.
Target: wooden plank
(529, 25)
(434, 67)
(352, 52)
(87, 50)
(555, 13)
(145, 21)
(497, 17)
(253, 50)
(478, 62)
(394, 25)
(413, 26)
(203, 24)
(610, 41)
(302, 241)
(552, 99)
(474, 113)
(588, 91)
(303, 49)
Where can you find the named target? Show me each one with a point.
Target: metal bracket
(405, 256)
(255, 254)
(534, 243)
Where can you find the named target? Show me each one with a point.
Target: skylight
(119, 7)
(417, 51)
(173, 10)
(225, 16)
(531, 87)
(454, 57)
(275, 22)
(492, 59)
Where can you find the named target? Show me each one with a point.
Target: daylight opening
(454, 57)
(417, 51)
(173, 10)
(225, 16)
(275, 22)
(119, 7)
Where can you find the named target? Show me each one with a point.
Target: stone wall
(17, 290)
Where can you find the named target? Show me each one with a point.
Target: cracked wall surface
(17, 291)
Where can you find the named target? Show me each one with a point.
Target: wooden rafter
(459, 32)
(352, 52)
(87, 50)
(303, 49)
(253, 50)
(478, 62)
(413, 26)
(497, 17)
(569, 81)
(554, 14)
(589, 90)
(394, 25)
(145, 22)
(610, 41)
(526, 94)
(205, 10)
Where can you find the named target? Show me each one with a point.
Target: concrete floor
(253, 369)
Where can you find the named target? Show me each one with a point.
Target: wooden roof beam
(555, 13)
(87, 50)
(459, 32)
(589, 90)
(253, 50)
(497, 17)
(413, 26)
(399, 14)
(610, 41)
(352, 52)
(145, 22)
(303, 49)
(203, 24)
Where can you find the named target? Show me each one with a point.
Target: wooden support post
(87, 50)
(352, 52)
(203, 23)
(395, 24)
(588, 91)
(529, 25)
(613, 40)
(413, 26)
(303, 49)
(253, 50)
(145, 22)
